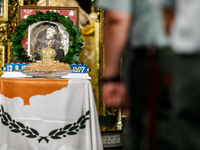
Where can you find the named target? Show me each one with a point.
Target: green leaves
(53, 132)
(75, 28)
(16, 58)
(21, 124)
(23, 53)
(34, 131)
(18, 127)
(23, 33)
(79, 40)
(73, 128)
(15, 130)
(40, 13)
(27, 131)
(31, 136)
(71, 133)
(14, 125)
(19, 46)
(60, 133)
(67, 126)
(75, 59)
(20, 55)
(88, 112)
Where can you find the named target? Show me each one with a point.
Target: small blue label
(20, 66)
(17, 66)
(78, 68)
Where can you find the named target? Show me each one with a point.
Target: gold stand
(119, 124)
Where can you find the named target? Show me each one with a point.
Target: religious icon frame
(25, 11)
(4, 14)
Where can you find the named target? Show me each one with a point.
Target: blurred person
(134, 30)
(181, 126)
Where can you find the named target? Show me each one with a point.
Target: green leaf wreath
(20, 55)
(28, 132)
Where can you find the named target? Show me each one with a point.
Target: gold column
(97, 62)
(110, 119)
(103, 110)
(9, 53)
(3, 39)
(2, 58)
(90, 54)
(4, 16)
(102, 62)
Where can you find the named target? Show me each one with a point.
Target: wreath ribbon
(18, 127)
(43, 138)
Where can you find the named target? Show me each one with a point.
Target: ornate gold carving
(9, 53)
(3, 32)
(2, 58)
(7, 27)
(3, 39)
(4, 11)
(13, 16)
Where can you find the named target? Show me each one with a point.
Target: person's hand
(116, 96)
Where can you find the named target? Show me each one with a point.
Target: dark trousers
(179, 124)
(142, 76)
(165, 100)
(153, 78)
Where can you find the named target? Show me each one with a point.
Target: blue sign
(16, 66)
(77, 68)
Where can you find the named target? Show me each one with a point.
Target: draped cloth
(48, 114)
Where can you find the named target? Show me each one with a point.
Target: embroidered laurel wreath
(20, 55)
(18, 127)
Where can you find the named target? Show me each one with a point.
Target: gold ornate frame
(5, 11)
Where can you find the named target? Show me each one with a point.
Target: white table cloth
(62, 119)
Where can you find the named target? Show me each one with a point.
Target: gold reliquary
(47, 54)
